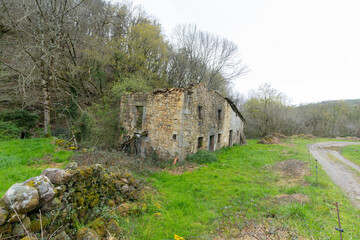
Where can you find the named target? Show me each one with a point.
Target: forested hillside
(65, 64)
(267, 111)
(69, 61)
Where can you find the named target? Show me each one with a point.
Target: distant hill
(351, 102)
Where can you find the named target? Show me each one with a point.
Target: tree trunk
(46, 103)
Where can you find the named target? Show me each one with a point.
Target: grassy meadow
(243, 187)
(23, 159)
(352, 153)
(268, 189)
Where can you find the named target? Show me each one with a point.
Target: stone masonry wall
(58, 202)
(160, 118)
(211, 123)
(174, 124)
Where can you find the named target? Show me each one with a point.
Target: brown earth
(292, 172)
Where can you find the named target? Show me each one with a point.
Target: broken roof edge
(189, 88)
(233, 106)
(170, 90)
(192, 86)
(236, 110)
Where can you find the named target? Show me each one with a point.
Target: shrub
(21, 118)
(9, 131)
(202, 156)
(101, 126)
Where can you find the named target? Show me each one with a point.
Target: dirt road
(343, 172)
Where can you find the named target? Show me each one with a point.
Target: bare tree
(42, 40)
(203, 57)
(267, 112)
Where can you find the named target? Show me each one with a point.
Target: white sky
(307, 49)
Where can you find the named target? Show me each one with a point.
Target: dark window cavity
(219, 116)
(212, 143)
(139, 116)
(200, 112)
(200, 143)
(230, 138)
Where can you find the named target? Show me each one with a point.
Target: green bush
(21, 118)
(9, 131)
(202, 156)
(100, 126)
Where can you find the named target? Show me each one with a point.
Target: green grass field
(352, 153)
(219, 198)
(240, 192)
(23, 159)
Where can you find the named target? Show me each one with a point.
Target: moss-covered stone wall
(67, 203)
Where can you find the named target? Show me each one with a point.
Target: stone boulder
(4, 213)
(57, 176)
(55, 203)
(62, 236)
(44, 186)
(21, 198)
(113, 228)
(21, 229)
(86, 234)
(71, 166)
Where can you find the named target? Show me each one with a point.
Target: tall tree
(42, 37)
(200, 56)
(267, 112)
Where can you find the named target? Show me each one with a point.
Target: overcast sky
(307, 49)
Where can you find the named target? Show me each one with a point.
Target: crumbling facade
(180, 121)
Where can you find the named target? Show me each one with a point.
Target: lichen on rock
(86, 234)
(21, 198)
(4, 213)
(44, 186)
(57, 176)
(68, 199)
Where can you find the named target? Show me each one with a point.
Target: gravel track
(343, 172)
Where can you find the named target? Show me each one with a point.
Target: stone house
(180, 121)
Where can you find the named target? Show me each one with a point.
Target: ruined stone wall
(210, 125)
(236, 124)
(175, 119)
(163, 122)
(160, 118)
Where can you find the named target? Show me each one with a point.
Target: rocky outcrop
(62, 200)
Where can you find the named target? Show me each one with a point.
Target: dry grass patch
(286, 198)
(292, 172)
(188, 167)
(236, 226)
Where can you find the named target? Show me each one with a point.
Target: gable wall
(194, 127)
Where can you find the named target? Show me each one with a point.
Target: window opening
(200, 112)
(200, 143)
(230, 138)
(139, 116)
(219, 115)
(212, 143)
